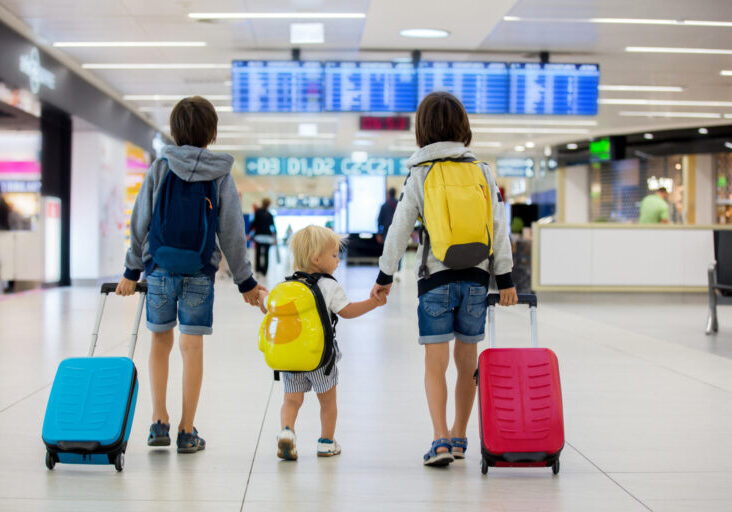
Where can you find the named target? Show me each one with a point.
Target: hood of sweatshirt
(191, 163)
(439, 150)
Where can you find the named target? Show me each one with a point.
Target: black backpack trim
(329, 321)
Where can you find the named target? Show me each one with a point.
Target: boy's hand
(252, 296)
(508, 297)
(125, 287)
(262, 301)
(379, 298)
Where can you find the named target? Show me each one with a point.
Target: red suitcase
(520, 400)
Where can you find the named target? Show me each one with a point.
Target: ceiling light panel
(307, 33)
(523, 129)
(625, 21)
(640, 88)
(668, 103)
(424, 33)
(171, 97)
(161, 66)
(544, 122)
(659, 49)
(697, 115)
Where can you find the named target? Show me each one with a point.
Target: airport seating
(720, 277)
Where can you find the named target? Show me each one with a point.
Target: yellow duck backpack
(298, 332)
(457, 222)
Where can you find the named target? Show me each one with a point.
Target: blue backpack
(183, 226)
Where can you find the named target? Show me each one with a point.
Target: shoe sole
(440, 460)
(159, 441)
(192, 449)
(328, 454)
(458, 455)
(286, 449)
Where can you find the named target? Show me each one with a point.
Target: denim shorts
(453, 310)
(189, 298)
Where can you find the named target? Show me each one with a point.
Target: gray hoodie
(411, 206)
(192, 164)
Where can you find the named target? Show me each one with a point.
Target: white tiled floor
(647, 397)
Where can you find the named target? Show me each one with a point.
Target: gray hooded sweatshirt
(191, 163)
(411, 207)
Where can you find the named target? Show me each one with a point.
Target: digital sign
(600, 150)
(515, 167)
(370, 87)
(482, 87)
(385, 123)
(557, 89)
(325, 166)
(276, 86)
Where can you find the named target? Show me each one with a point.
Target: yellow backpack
(458, 214)
(298, 333)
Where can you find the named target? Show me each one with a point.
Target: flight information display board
(370, 87)
(556, 89)
(481, 86)
(276, 86)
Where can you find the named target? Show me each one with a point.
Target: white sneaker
(328, 448)
(286, 444)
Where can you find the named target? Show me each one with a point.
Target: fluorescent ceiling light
(361, 142)
(625, 21)
(545, 122)
(235, 147)
(572, 146)
(641, 88)
(275, 142)
(648, 136)
(728, 145)
(658, 49)
(529, 144)
(519, 149)
(408, 149)
(307, 33)
(276, 15)
(233, 127)
(703, 131)
(232, 135)
(156, 66)
(487, 144)
(726, 72)
(676, 103)
(171, 97)
(424, 33)
(224, 108)
(516, 129)
(128, 44)
(700, 115)
(728, 116)
(307, 130)
(274, 118)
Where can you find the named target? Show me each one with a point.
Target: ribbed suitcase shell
(92, 400)
(520, 404)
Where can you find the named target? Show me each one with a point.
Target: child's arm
(356, 309)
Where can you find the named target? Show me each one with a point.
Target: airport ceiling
(505, 30)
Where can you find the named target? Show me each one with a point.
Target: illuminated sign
(31, 65)
(515, 167)
(20, 186)
(325, 166)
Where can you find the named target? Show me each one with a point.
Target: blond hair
(309, 243)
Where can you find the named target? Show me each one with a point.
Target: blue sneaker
(190, 443)
(159, 434)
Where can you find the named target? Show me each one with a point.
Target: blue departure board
(481, 86)
(370, 87)
(276, 86)
(569, 89)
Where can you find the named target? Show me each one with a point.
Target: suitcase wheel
(50, 460)
(555, 467)
(119, 461)
(484, 466)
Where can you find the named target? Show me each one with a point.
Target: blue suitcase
(92, 404)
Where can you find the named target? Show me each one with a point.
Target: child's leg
(290, 407)
(466, 360)
(328, 413)
(162, 344)
(437, 357)
(191, 347)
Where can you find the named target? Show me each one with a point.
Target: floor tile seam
(256, 446)
(653, 362)
(608, 476)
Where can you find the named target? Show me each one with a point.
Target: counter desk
(622, 257)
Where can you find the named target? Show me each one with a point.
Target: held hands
(508, 297)
(262, 301)
(252, 296)
(379, 298)
(125, 287)
(380, 289)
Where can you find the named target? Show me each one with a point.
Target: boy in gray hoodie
(452, 302)
(180, 296)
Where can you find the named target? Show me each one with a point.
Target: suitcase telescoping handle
(523, 298)
(108, 288)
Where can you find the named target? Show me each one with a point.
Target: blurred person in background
(264, 234)
(654, 208)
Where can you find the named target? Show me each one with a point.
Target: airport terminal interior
(606, 127)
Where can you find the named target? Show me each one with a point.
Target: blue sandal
(461, 443)
(435, 459)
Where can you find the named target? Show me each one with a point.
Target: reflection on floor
(647, 409)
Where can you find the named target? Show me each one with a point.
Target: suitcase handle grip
(523, 298)
(108, 288)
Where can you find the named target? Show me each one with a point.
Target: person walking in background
(264, 234)
(386, 216)
(654, 208)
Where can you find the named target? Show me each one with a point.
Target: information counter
(622, 257)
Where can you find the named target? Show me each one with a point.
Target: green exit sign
(600, 150)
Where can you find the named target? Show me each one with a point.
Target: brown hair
(193, 122)
(266, 202)
(441, 117)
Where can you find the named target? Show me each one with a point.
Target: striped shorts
(316, 380)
